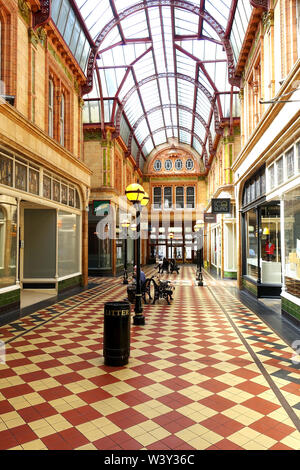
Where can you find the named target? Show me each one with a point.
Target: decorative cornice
(268, 19)
(24, 10)
(263, 4)
(43, 15)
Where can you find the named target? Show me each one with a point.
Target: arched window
(51, 109)
(62, 120)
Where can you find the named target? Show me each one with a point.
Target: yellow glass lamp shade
(145, 199)
(133, 227)
(266, 231)
(171, 236)
(197, 227)
(125, 223)
(135, 192)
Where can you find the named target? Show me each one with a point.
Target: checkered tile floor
(204, 373)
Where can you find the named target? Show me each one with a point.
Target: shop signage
(210, 218)
(101, 208)
(220, 206)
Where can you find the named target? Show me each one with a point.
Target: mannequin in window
(269, 249)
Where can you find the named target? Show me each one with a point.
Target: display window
(292, 241)
(8, 240)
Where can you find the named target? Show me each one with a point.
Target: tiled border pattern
(191, 382)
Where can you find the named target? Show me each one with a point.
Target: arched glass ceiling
(165, 66)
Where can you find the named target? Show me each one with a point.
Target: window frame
(51, 88)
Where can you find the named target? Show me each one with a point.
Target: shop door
(39, 245)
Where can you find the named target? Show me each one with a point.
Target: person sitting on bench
(165, 265)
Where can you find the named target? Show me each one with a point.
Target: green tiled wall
(290, 308)
(69, 283)
(11, 298)
(252, 288)
(230, 275)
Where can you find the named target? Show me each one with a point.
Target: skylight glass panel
(133, 108)
(108, 105)
(134, 149)
(197, 146)
(185, 22)
(185, 119)
(98, 17)
(112, 38)
(124, 130)
(164, 92)
(147, 148)
(185, 64)
(159, 138)
(184, 136)
(219, 11)
(167, 116)
(156, 120)
(124, 5)
(144, 67)
(86, 113)
(127, 85)
(135, 26)
(109, 82)
(88, 7)
(150, 95)
(203, 106)
(170, 133)
(174, 116)
(209, 31)
(199, 129)
(142, 131)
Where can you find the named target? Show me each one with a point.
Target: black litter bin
(116, 335)
(131, 293)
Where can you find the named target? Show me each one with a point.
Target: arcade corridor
(203, 373)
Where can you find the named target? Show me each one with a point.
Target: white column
(282, 242)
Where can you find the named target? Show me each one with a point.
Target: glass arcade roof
(163, 68)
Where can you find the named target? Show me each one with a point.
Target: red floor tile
(29, 414)
(7, 440)
(23, 434)
(56, 442)
(16, 391)
(251, 387)
(226, 444)
(260, 405)
(45, 410)
(5, 407)
(54, 393)
(214, 385)
(91, 396)
(126, 418)
(73, 437)
(217, 403)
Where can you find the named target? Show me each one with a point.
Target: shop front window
(8, 241)
(270, 244)
(251, 245)
(292, 242)
(99, 249)
(68, 243)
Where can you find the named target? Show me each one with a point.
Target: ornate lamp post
(133, 229)
(135, 193)
(199, 235)
(171, 236)
(125, 224)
